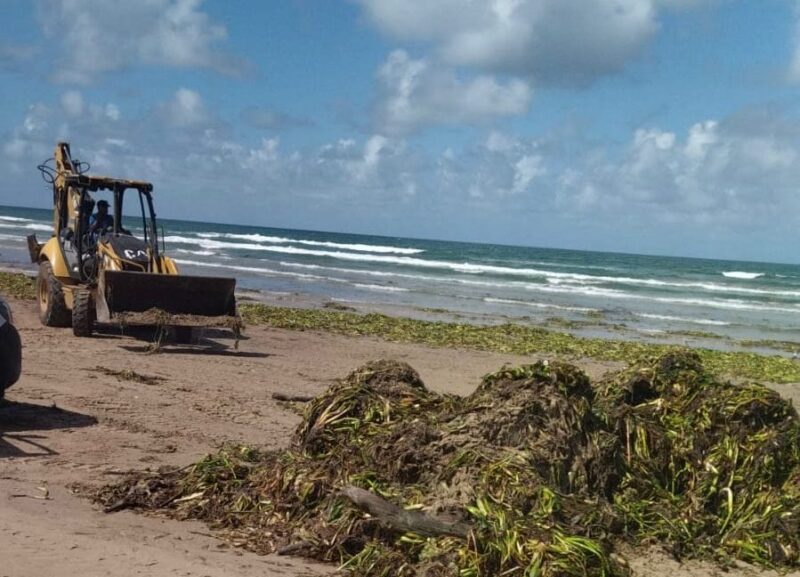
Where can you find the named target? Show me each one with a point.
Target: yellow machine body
(89, 274)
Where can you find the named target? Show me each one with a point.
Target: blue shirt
(106, 222)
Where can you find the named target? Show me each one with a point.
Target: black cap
(102, 203)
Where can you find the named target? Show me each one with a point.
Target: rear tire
(53, 311)
(83, 314)
(10, 356)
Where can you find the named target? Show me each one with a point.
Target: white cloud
(96, 36)
(111, 111)
(553, 41)
(417, 93)
(185, 109)
(526, 169)
(738, 171)
(793, 72)
(738, 174)
(72, 103)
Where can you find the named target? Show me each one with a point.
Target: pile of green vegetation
(513, 338)
(17, 285)
(538, 472)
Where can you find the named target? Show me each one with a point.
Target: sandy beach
(71, 426)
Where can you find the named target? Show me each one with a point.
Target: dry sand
(68, 423)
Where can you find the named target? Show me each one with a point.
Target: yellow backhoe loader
(94, 270)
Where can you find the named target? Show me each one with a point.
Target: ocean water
(646, 295)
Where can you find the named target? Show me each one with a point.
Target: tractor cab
(102, 220)
(123, 236)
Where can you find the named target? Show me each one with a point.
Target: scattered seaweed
(337, 306)
(538, 472)
(129, 375)
(512, 338)
(696, 334)
(788, 346)
(17, 285)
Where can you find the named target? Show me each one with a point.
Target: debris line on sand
(538, 472)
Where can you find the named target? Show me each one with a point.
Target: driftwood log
(399, 519)
(292, 398)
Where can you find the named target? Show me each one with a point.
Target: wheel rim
(43, 296)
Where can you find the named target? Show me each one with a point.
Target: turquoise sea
(651, 296)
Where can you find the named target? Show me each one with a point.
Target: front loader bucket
(124, 293)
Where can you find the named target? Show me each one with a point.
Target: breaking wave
(260, 238)
(742, 275)
(683, 319)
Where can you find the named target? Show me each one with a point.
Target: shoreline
(579, 329)
(660, 300)
(444, 328)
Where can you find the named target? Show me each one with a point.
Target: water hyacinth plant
(539, 472)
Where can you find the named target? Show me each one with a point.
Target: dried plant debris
(130, 375)
(538, 472)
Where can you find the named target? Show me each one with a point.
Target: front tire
(83, 314)
(53, 311)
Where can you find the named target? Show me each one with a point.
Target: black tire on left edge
(10, 356)
(82, 314)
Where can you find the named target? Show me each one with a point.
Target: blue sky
(656, 126)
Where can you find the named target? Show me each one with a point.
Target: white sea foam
(553, 277)
(683, 319)
(196, 252)
(563, 288)
(742, 275)
(260, 238)
(707, 286)
(486, 284)
(251, 269)
(372, 273)
(42, 227)
(744, 290)
(585, 285)
(503, 285)
(466, 267)
(15, 219)
(731, 304)
(279, 273)
(378, 287)
(28, 226)
(538, 305)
